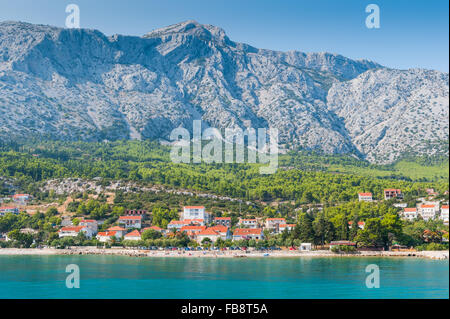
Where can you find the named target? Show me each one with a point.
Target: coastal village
(205, 231)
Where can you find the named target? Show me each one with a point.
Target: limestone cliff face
(80, 84)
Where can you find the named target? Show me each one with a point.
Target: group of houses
(17, 199)
(389, 193)
(194, 221)
(198, 224)
(427, 210)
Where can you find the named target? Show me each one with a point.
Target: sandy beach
(217, 254)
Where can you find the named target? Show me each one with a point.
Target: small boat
(266, 255)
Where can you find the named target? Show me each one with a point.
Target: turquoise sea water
(128, 277)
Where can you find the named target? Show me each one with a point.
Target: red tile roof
(194, 207)
(445, 206)
(107, 234)
(247, 231)
(208, 232)
(222, 218)
(72, 228)
(428, 206)
(116, 228)
(410, 209)
(153, 228)
(179, 222)
(20, 195)
(130, 217)
(365, 194)
(192, 228)
(219, 228)
(88, 221)
(134, 233)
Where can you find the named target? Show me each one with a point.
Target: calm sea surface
(128, 277)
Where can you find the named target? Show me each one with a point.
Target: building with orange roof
(391, 193)
(365, 197)
(427, 211)
(361, 224)
(120, 231)
(409, 213)
(134, 235)
(131, 221)
(177, 224)
(283, 227)
(248, 222)
(224, 231)
(213, 235)
(106, 236)
(444, 214)
(196, 212)
(9, 209)
(274, 223)
(73, 231)
(225, 221)
(156, 228)
(248, 233)
(22, 199)
(91, 223)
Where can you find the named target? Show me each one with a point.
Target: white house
(409, 213)
(91, 223)
(196, 212)
(134, 235)
(392, 193)
(444, 214)
(361, 224)
(178, 224)
(131, 221)
(365, 197)
(225, 221)
(273, 223)
(248, 233)
(305, 247)
(248, 222)
(283, 227)
(208, 233)
(427, 211)
(21, 198)
(8, 209)
(106, 236)
(223, 231)
(73, 231)
(119, 231)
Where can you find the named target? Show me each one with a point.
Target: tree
(340, 223)
(392, 227)
(305, 230)
(323, 229)
(24, 240)
(206, 242)
(150, 234)
(373, 234)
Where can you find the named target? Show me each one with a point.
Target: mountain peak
(190, 28)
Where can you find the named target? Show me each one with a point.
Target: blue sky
(412, 33)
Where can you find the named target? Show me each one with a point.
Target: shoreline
(439, 255)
